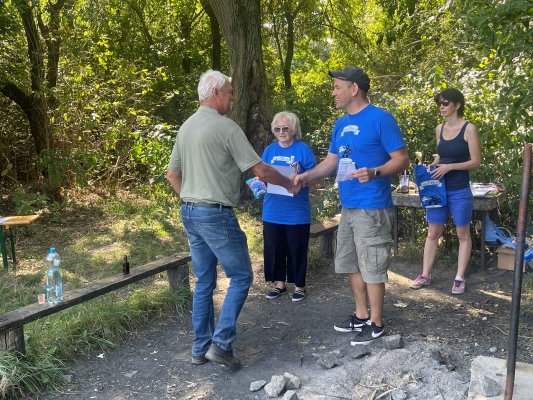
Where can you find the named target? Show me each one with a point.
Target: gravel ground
(277, 336)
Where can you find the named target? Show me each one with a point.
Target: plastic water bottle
(54, 282)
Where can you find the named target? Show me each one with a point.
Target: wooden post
(413, 224)
(395, 228)
(13, 340)
(179, 276)
(3, 247)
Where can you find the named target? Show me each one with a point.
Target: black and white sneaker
(369, 332)
(352, 324)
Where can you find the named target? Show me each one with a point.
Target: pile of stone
(286, 385)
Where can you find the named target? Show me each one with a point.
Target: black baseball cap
(353, 74)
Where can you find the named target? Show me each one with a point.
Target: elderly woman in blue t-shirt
(286, 218)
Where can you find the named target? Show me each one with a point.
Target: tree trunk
(35, 105)
(37, 101)
(240, 22)
(185, 32)
(216, 37)
(39, 123)
(287, 65)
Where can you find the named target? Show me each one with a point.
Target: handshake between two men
(328, 167)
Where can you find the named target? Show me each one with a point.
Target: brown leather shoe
(226, 358)
(198, 360)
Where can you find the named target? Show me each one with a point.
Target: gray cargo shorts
(364, 243)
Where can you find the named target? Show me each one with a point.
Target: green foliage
(20, 376)
(128, 74)
(27, 203)
(115, 100)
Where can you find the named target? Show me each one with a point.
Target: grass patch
(527, 293)
(20, 376)
(92, 233)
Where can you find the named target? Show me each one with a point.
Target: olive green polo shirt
(211, 151)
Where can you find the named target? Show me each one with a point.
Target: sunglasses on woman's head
(283, 129)
(444, 103)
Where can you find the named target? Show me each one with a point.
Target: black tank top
(455, 151)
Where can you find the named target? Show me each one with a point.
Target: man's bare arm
(174, 178)
(398, 162)
(271, 175)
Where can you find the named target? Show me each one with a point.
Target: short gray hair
(294, 123)
(209, 81)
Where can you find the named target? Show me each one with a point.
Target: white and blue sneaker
(369, 332)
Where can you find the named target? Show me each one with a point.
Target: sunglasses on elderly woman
(283, 129)
(444, 103)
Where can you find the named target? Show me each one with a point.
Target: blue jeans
(214, 234)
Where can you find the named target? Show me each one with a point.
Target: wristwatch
(377, 173)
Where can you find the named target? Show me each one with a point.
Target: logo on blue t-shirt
(350, 129)
(345, 151)
(288, 160)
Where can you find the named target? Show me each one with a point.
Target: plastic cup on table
(41, 298)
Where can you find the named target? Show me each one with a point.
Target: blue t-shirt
(286, 210)
(368, 138)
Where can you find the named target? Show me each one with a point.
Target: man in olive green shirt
(210, 153)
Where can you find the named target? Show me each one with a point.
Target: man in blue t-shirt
(366, 149)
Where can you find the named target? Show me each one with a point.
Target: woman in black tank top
(458, 152)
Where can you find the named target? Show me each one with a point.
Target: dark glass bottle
(125, 265)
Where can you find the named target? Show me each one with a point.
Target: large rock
(489, 387)
(393, 342)
(293, 381)
(328, 361)
(290, 395)
(257, 385)
(399, 395)
(359, 352)
(276, 386)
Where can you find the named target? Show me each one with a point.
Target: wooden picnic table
(8, 223)
(411, 201)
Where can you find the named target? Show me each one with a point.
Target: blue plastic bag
(494, 233)
(432, 191)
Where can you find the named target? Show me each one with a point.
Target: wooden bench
(326, 231)
(12, 323)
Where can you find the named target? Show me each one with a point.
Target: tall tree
(284, 15)
(43, 40)
(240, 22)
(216, 37)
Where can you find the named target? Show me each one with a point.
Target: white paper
(480, 192)
(346, 167)
(276, 189)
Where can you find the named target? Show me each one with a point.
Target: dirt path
(280, 336)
